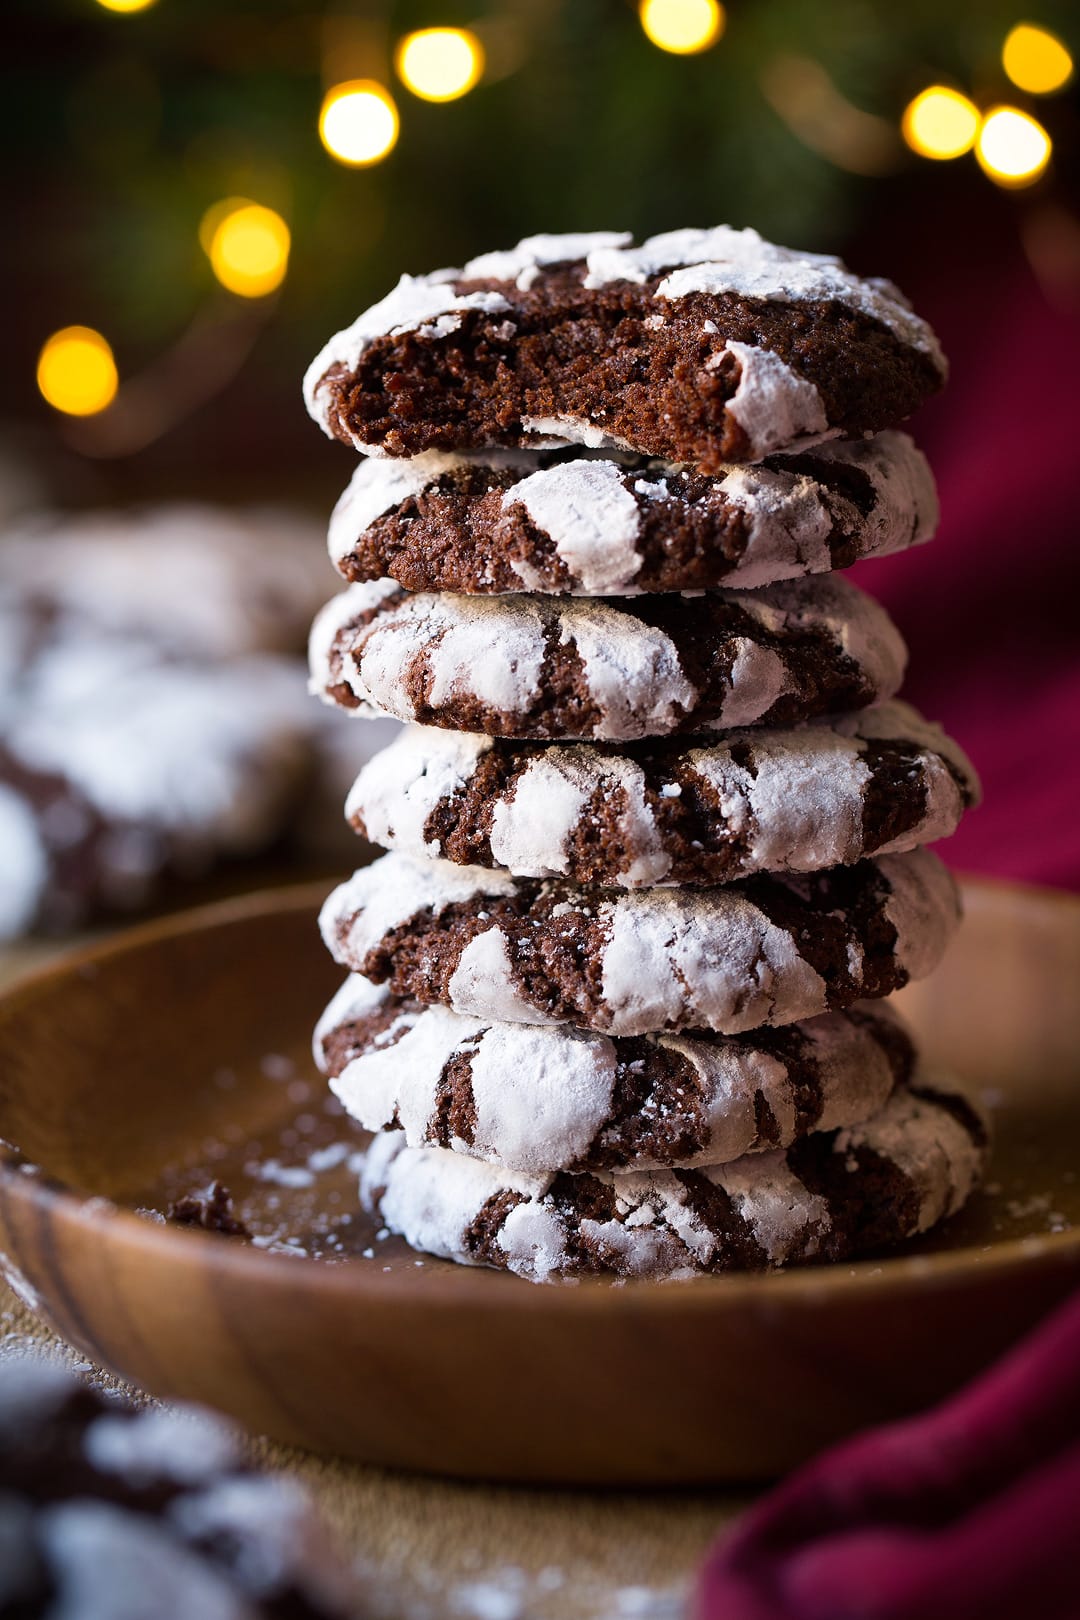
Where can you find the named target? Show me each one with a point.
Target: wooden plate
(179, 1052)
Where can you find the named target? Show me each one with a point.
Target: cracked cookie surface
(544, 1098)
(672, 813)
(538, 666)
(586, 523)
(767, 950)
(833, 1195)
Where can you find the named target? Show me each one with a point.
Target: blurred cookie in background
(342, 745)
(153, 714)
(163, 770)
(201, 579)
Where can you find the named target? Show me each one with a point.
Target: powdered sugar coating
(485, 979)
(654, 1223)
(721, 964)
(591, 516)
(400, 787)
(725, 260)
(661, 959)
(924, 908)
(791, 516)
(773, 405)
(541, 1099)
(497, 657)
(175, 748)
(104, 1561)
(556, 432)
(183, 1446)
(520, 264)
(792, 800)
(376, 487)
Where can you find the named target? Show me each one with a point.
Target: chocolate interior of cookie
(629, 363)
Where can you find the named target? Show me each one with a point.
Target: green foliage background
(120, 130)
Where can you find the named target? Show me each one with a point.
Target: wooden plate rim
(465, 1287)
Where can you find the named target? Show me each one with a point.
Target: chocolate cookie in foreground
(833, 1195)
(577, 523)
(638, 814)
(101, 1502)
(768, 950)
(537, 666)
(699, 346)
(542, 1098)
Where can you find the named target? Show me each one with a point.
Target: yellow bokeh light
(440, 64)
(682, 26)
(358, 123)
(1012, 148)
(248, 246)
(76, 371)
(1036, 60)
(940, 123)
(125, 5)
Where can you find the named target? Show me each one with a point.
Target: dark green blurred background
(120, 130)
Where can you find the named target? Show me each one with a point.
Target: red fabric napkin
(969, 1512)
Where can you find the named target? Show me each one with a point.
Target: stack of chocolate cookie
(656, 826)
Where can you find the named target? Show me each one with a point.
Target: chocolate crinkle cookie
(152, 720)
(640, 814)
(146, 769)
(538, 666)
(833, 1195)
(771, 949)
(110, 1512)
(542, 1098)
(196, 580)
(584, 523)
(656, 826)
(699, 346)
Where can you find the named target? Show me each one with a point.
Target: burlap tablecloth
(427, 1549)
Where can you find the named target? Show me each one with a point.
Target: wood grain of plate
(179, 1052)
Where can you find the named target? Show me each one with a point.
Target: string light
(682, 26)
(440, 64)
(1036, 60)
(940, 123)
(1012, 148)
(247, 245)
(359, 122)
(76, 371)
(125, 5)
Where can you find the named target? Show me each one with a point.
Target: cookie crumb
(213, 1212)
